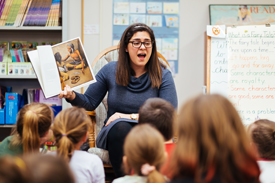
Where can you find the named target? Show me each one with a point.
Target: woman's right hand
(68, 93)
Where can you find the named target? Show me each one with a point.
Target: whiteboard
(242, 68)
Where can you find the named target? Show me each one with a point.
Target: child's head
(144, 145)
(48, 169)
(159, 113)
(70, 129)
(58, 57)
(33, 123)
(263, 136)
(212, 141)
(13, 170)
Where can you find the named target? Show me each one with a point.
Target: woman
(213, 146)
(135, 77)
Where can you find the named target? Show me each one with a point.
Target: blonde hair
(33, 121)
(69, 127)
(144, 144)
(212, 142)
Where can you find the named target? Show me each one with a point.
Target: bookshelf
(32, 34)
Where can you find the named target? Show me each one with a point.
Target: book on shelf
(63, 64)
(30, 12)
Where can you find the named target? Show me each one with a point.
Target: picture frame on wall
(238, 15)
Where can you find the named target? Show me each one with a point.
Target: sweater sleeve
(95, 92)
(167, 88)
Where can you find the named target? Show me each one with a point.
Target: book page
(49, 71)
(33, 55)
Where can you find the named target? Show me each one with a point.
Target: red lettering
(258, 9)
(270, 9)
(265, 10)
(252, 9)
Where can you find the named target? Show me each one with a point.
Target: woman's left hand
(117, 115)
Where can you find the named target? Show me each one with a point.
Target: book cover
(7, 56)
(20, 12)
(63, 64)
(13, 55)
(13, 12)
(12, 107)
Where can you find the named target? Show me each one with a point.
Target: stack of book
(30, 12)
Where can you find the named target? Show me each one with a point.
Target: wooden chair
(99, 115)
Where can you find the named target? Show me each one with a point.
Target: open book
(63, 64)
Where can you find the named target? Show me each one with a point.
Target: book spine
(21, 22)
(1, 54)
(36, 97)
(16, 11)
(16, 55)
(9, 12)
(21, 55)
(2, 7)
(20, 12)
(5, 11)
(28, 16)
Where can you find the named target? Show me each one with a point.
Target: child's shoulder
(131, 179)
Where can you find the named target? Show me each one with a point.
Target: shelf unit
(33, 34)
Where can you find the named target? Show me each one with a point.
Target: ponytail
(33, 122)
(65, 147)
(30, 138)
(69, 128)
(155, 176)
(152, 174)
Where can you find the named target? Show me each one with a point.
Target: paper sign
(217, 31)
(91, 29)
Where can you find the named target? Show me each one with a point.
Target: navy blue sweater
(125, 99)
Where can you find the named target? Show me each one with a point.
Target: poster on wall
(160, 15)
(237, 15)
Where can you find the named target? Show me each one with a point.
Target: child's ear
(124, 160)
(84, 139)
(126, 50)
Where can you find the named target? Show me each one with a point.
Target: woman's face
(139, 56)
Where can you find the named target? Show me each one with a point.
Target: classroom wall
(194, 16)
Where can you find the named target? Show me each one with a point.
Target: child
(244, 14)
(61, 67)
(71, 130)
(144, 154)
(48, 169)
(263, 137)
(160, 114)
(13, 170)
(212, 144)
(32, 130)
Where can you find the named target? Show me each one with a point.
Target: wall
(194, 16)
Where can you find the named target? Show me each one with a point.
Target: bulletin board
(161, 15)
(242, 67)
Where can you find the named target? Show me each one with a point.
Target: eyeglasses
(137, 44)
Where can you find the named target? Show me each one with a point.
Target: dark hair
(212, 142)
(71, 45)
(57, 57)
(13, 170)
(48, 169)
(124, 70)
(159, 113)
(69, 127)
(263, 136)
(33, 121)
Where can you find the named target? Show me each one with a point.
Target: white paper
(251, 66)
(137, 8)
(219, 67)
(217, 31)
(91, 29)
(154, 20)
(121, 7)
(52, 85)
